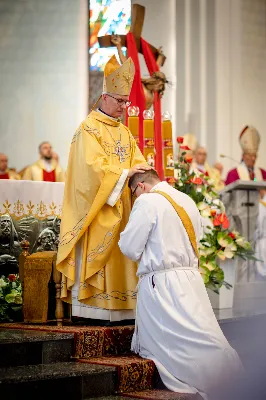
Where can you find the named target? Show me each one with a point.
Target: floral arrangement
(218, 242)
(10, 297)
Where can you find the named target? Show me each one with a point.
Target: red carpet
(161, 395)
(111, 346)
(134, 373)
(90, 341)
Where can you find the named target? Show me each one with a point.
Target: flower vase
(225, 298)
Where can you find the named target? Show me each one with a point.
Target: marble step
(75, 381)
(23, 347)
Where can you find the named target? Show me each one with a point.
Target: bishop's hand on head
(139, 168)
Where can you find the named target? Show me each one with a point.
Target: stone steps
(24, 347)
(70, 380)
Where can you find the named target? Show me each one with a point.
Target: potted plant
(10, 298)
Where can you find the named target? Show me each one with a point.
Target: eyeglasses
(121, 102)
(134, 191)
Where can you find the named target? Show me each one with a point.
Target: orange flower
(184, 148)
(221, 219)
(213, 213)
(188, 159)
(196, 180)
(180, 139)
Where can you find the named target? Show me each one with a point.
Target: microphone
(230, 158)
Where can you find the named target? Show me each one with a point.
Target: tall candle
(148, 133)
(133, 126)
(168, 154)
(133, 122)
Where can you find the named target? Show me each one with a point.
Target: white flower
(180, 184)
(14, 285)
(2, 283)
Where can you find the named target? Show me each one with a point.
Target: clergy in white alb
(175, 323)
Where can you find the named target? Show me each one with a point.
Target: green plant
(10, 297)
(218, 242)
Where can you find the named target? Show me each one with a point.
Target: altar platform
(85, 362)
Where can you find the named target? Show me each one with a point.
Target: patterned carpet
(161, 395)
(133, 372)
(90, 341)
(135, 376)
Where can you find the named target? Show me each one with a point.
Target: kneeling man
(175, 323)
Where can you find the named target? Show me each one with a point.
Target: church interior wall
(216, 63)
(160, 30)
(43, 73)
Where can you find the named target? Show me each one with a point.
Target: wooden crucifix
(137, 21)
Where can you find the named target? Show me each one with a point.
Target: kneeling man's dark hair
(149, 176)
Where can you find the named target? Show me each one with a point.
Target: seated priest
(201, 165)
(5, 172)
(249, 140)
(46, 168)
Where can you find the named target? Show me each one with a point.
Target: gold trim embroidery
(41, 211)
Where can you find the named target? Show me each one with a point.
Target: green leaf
(223, 239)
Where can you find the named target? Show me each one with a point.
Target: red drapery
(138, 99)
(153, 67)
(137, 94)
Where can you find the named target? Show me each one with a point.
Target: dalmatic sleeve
(116, 193)
(135, 236)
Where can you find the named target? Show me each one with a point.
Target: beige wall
(43, 75)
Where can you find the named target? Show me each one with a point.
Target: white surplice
(260, 242)
(175, 323)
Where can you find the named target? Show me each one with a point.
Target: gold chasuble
(37, 172)
(108, 278)
(101, 152)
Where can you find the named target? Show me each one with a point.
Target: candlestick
(133, 122)
(148, 131)
(168, 153)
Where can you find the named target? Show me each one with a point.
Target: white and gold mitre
(249, 140)
(118, 79)
(190, 141)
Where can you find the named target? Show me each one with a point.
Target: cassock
(45, 171)
(175, 323)
(242, 172)
(9, 174)
(260, 241)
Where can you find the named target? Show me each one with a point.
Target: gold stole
(244, 174)
(186, 221)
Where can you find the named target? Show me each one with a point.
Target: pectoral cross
(120, 151)
(137, 21)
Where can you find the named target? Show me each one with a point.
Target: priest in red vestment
(249, 140)
(46, 168)
(5, 172)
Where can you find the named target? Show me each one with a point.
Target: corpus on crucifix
(156, 82)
